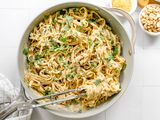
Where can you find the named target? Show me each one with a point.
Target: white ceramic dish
(134, 6)
(149, 33)
(127, 46)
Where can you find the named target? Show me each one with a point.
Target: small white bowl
(134, 6)
(150, 33)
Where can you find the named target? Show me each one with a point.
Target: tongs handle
(30, 104)
(8, 110)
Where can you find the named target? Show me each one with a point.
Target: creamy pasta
(74, 48)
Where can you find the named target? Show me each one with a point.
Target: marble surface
(140, 101)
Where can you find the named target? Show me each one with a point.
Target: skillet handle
(132, 24)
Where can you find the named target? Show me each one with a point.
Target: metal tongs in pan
(32, 103)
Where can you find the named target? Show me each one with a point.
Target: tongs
(33, 103)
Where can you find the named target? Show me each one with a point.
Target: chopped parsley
(68, 47)
(115, 50)
(92, 20)
(25, 51)
(75, 10)
(46, 17)
(114, 53)
(110, 57)
(66, 64)
(53, 21)
(56, 79)
(62, 12)
(27, 60)
(97, 82)
(108, 27)
(124, 66)
(71, 75)
(52, 41)
(50, 28)
(79, 111)
(75, 102)
(94, 64)
(52, 49)
(102, 38)
(90, 42)
(63, 39)
(56, 48)
(47, 92)
(60, 58)
(111, 41)
(38, 57)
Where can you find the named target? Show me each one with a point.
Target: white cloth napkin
(9, 93)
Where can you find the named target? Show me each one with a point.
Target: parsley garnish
(62, 12)
(94, 64)
(90, 42)
(79, 111)
(102, 38)
(92, 20)
(56, 79)
(124, 66)
(114, 53)
(50, 28)
(63, 39)
(111, 41)
(56, 48)
(75, 10)
(52, 48)
(46, 17)
(71, 75)
(47, 92)
(108, 27)
(115, 50)
(25, 51)
(111, 57)
(74, 102)
(53, 21)
(60, 58)
(38, 57)
(52, 41)
(97, 82)
(65, 64)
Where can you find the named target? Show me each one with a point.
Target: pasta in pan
(74, 48)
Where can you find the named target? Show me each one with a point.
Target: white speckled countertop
(141, 100)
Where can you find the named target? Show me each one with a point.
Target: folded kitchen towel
(7, 94)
